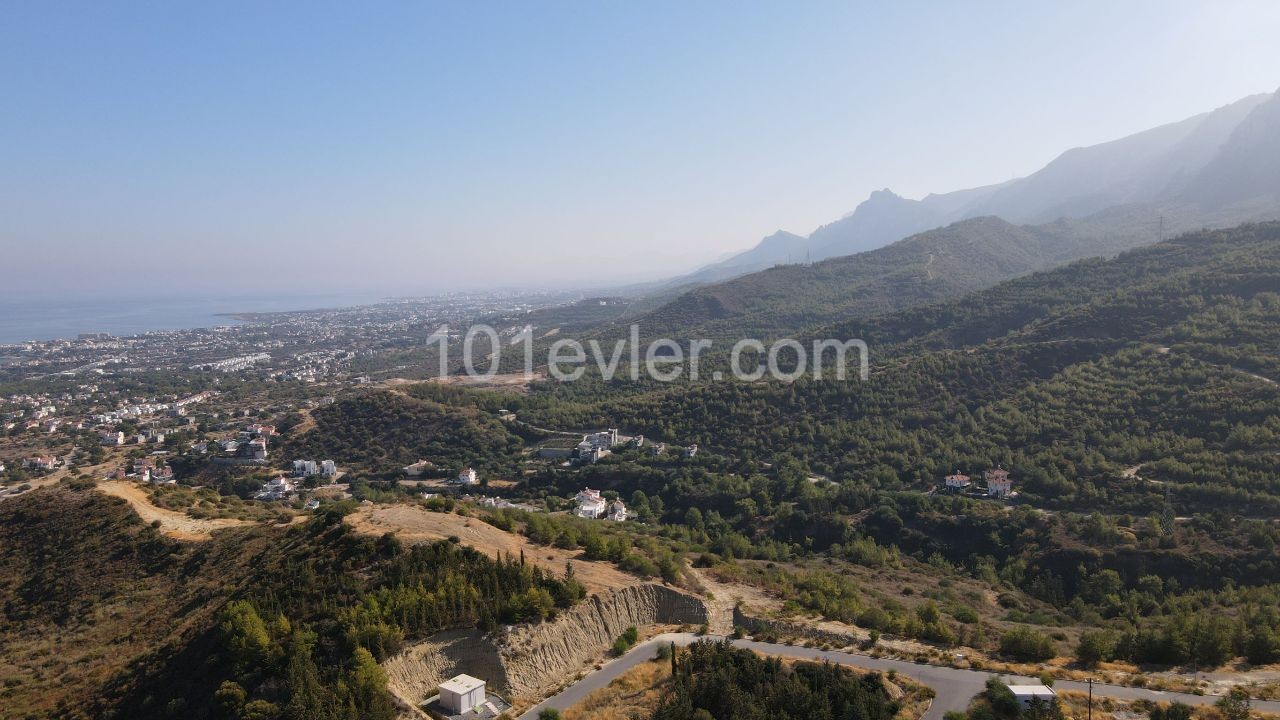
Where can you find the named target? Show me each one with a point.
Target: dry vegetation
(175, 524)
(413, 524)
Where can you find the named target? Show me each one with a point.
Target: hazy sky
(417, 147)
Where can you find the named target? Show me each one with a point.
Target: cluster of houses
(311, 468)
(999, 484)
(146, 470)
(153, 436)
(591, 504)
(250, 446)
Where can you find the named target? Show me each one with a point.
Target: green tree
(367, 686)
(1235, 705)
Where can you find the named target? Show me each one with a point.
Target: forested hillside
(1164, 356)
(105, 618)
(387, 430)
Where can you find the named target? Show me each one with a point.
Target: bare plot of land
(413, 524)
(172, 523)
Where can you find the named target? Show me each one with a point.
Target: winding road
(954, 687)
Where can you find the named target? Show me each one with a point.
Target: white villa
(593, 506)
(277, 489)
(590, 504)
(467, 477)
(958, 481)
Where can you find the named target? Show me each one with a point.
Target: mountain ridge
(1165, 167)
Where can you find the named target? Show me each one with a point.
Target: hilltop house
(114, 439)
(958, 482)
(617, 511)
(998, 482)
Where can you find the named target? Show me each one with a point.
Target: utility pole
(1090, 698)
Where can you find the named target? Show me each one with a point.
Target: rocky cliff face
(540, 657)
(531, 660)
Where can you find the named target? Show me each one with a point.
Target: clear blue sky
(420, 147)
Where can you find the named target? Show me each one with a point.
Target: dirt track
(414, 525)
(172, 523)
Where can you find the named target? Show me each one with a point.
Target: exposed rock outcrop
(530, 660)
(540, 657)
(414, 675)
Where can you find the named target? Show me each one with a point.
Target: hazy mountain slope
(1215, 169)
(927, 267)
(1092, 298)
(1244, 175)
(1137, 168)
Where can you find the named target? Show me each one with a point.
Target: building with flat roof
(462, 693)
(1026, 693)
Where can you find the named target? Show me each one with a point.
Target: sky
(413, 148)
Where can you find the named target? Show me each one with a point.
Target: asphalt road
(954, 687)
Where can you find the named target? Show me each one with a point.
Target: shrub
(1026, 645)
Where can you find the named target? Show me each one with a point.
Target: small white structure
(328, 468)
(958, 481)
(691, 451)
(304, 468)
(462, 693)
(617, 511)
(1026, 693)
(998, 482)
(114, 439)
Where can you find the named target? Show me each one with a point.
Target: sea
(52, 319)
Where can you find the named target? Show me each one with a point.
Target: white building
(1026, 693)
(305, 468)
(277, 489)
(328, 468)
(617, 511)
(998, 482)
(114, 439)
(590, 504)
(958, 481)
(691, 451)
(462, 693)
(467, 477)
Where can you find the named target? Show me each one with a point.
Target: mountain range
(1215, 169)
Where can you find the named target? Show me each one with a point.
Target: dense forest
(716, 680)
(384, 431)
